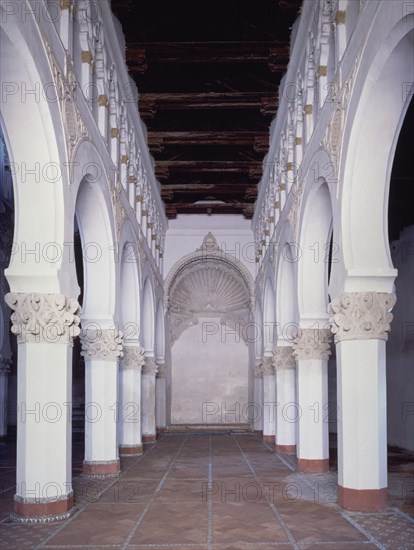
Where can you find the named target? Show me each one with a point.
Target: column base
(313, 466)
(130, 450)
(149, 438)
(287, 449)
(162, 429)
(101, 469)
(363, 500)
(269, 439)
(42, 510)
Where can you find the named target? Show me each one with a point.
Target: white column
(5, 365)
(149, 434)
(312, 350)
(101, 349)
(129, 418)
(360, 322)
(160, 399)
(45, 325)
(258, 397)
(269, 400)
(287, 409)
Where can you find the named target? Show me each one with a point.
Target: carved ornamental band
(283, 358)
(161, 370)
(361, 315)
(267, 367)
(312, 344)
(133, 358)
(51, 318)
(101, 344)
(150, 366)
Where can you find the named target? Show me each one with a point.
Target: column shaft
(149, 433)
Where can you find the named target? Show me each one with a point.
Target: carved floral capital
(258, 370)
(361, 315)
(161, 370)
(283, 358)
(312, 344)
(52, 318)
(133, 358)
(101, 344)
(268, 367)
(150, 366)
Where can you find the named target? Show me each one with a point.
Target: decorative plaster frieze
(283, 358)
(133, 358)
(150, 366)
(361, 315)
(312, 344)
(268, 366)
(51, 318)
(118, 208)
(101, 344)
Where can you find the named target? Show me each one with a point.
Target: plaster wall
(209, 376)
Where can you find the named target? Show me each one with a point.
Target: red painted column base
(149, 438)
(130, 450)
(162, 429)
(101, 469)
(288, 449)
(32, 511)
(269, 439)
(313, 466)
(363, 500)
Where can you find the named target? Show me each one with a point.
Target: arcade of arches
(121, 327)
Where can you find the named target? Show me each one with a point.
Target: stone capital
(161, 370)
(150, 366)
(133, 358)
(267, 366)
(361, 315)
(44, 318)
(101, 344)
(283, 358)
(312, 344)
(258, 370)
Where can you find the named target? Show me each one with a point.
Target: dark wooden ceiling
(208, 75)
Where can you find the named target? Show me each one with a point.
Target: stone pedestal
(269, 400)
(45, 325)
(360, 322)
(101, 349)
(150, 369)
(287, 410)
(129, 416)
(312, 349)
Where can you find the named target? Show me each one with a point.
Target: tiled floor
(213, 491)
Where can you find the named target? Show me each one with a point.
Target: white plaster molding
(361, 315)
(312, 344)
(133, 358)
(283, 358)
(150, 366)
(52, 318)
(268, 366)
(101, 344)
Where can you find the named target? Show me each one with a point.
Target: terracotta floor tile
(245, 522)
(100, 524)
(182, 490)
(169, 523)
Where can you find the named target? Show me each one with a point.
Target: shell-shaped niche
(209, 287)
